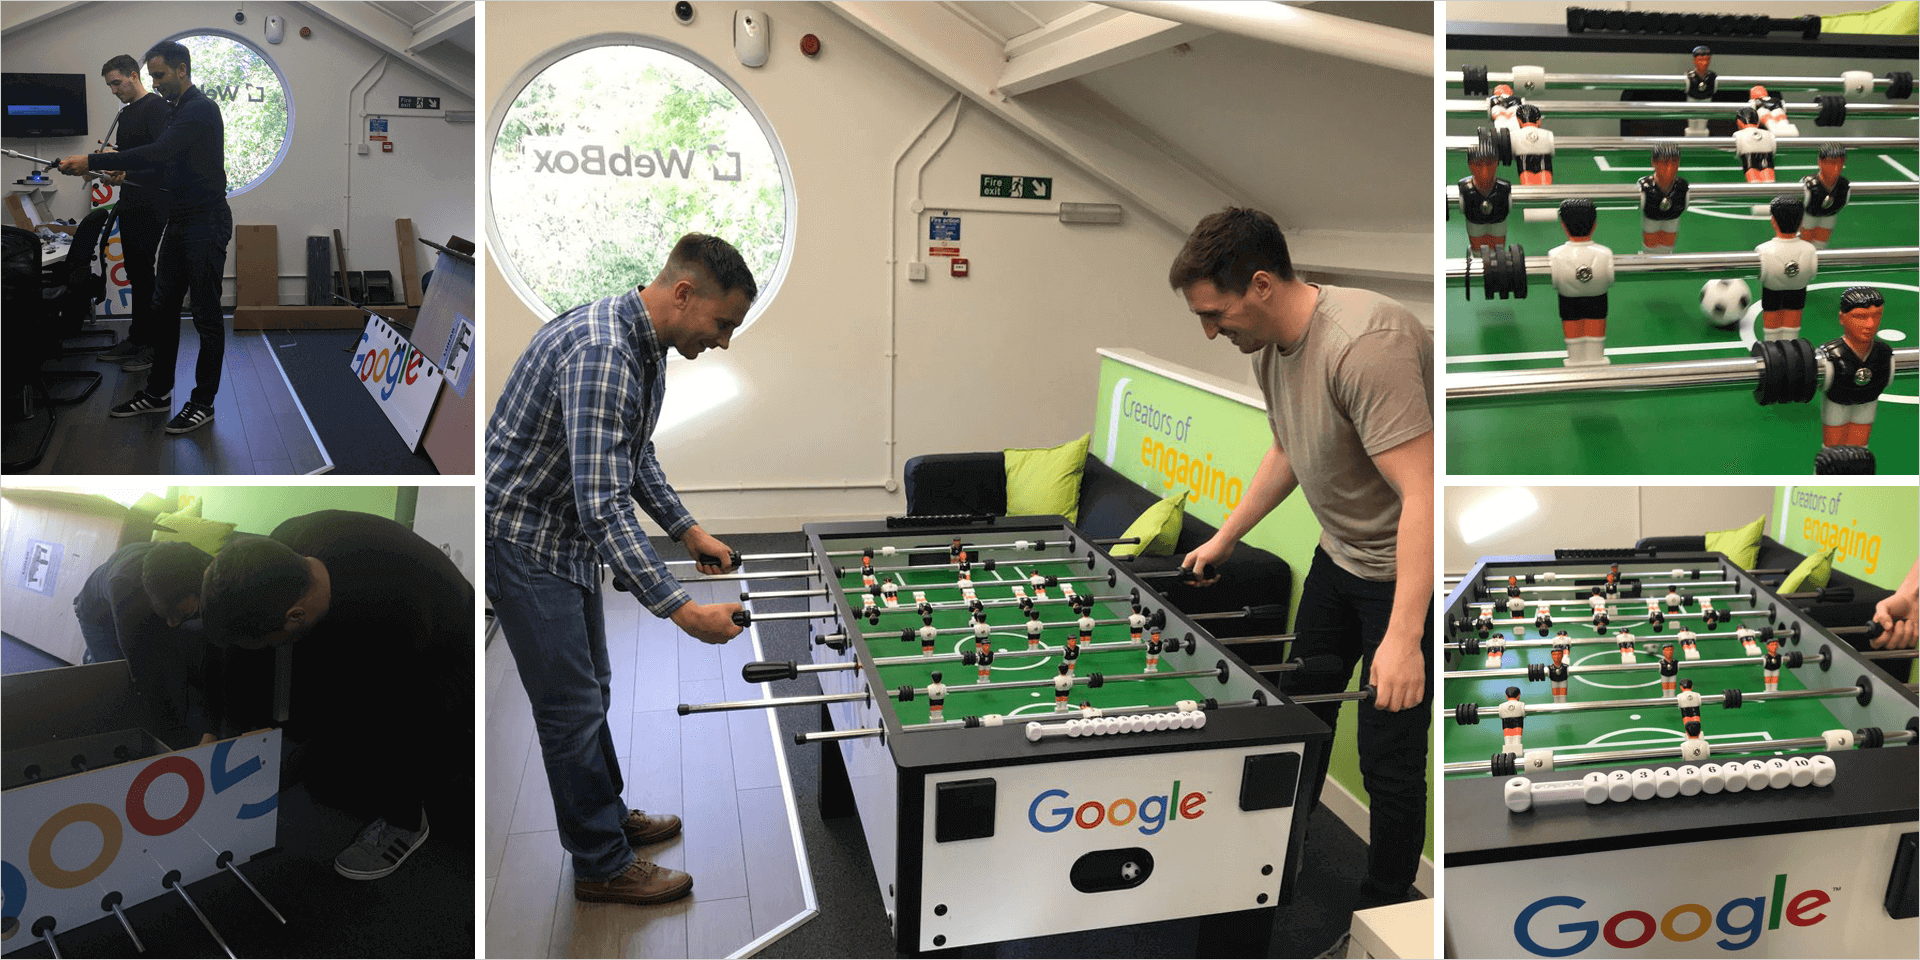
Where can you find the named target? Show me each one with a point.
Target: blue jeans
(103, 640)
(558, 634)
(193, 254)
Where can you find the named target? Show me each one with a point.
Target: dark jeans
(103, 640)
(558, 634)
(192, 257)
(140, 229)
(1346, 616)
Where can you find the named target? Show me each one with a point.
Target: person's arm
(190, 124)
(598, 399)
(1399, 666)
(659, 500)
(1896, 614)
(1271, 484)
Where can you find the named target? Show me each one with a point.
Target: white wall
(320, 186)
(444, 516)
(1002, 358)
(1549, 11)
(1597, 517)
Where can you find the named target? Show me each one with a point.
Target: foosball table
(1679, 761)
(1036, 743)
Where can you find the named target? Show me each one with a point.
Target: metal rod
(1628, 81)
(965, 547)
(43, 928)
(89, 175)
(1629, 109)
(1077, 680)
(1461, 144)
(746, 596)
(181, 889)
(872, 638)
(1041, 651)
(1596, 668)
(1630, 376)
(1907, 654)
(687, 708)
(137, 945)
(1722, 260)
(257, 895)
(1517, 644)
(795, 615)
(1525, 621)
(1104, 711)
(1624, 578)
(1539, 196)
(1647, 703)
(768, 575)
(817, 736)
(1262, 638)
(746, 558)
(1655, 753)
(1008, 602)
(1499, 580)
(1334, 697)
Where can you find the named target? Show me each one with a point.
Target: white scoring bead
(1076, 728)
(1548, 577)
(1519, 794)
(1199, 720)
(1712, 778)
(1802, 770)
(993, 720)
(1033, 732)
(1528, 81)
(1779, 773)
(1596, 787)
(1694, 751)
(1856, 83)
(1838, 739)
(1539, 761)
(1677, 574)
(1692, 781)
(1823, 769)
(1666, 782)
(1736, 774)
(1021, 544)
(1644, 784)
(1619, 786)
(1188, 706)
(886, 551)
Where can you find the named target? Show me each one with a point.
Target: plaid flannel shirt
(570, 449)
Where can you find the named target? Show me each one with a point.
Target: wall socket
(916, 270)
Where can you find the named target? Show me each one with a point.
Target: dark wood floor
(258, 427)
(720, 771)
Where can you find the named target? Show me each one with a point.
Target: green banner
(1875, 531)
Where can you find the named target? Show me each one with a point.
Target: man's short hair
(1787, 212)
(1528, 113)
(1228, 248)
(1578, 216)
(1833, 151)
(171, 53)
(172, 571)
(1666, 151)
(1481, 153)
(251, 585)
(1858, 297)
(121, 64)
(1702, 51)
(717, 269)
(1746, 115)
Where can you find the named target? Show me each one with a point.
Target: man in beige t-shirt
(1348, 380)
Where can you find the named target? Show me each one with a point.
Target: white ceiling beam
(21, 14)
(389, 36)
(1092, 39)
(1115, 154)
(434, 29)
(1403, 50)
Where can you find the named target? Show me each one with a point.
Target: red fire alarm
(810, 45)
(386, 146)
(959, 268)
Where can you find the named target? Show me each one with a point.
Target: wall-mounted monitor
(42, 105)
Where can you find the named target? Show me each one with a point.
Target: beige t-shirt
(1360, 382)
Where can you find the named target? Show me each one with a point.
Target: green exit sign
(1016, 188)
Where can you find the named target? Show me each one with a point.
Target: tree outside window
(253, 105)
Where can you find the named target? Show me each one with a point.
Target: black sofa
(976, 483)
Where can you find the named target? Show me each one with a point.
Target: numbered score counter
(424, 385)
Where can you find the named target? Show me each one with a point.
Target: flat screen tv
(42, 105)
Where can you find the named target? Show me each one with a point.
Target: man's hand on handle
(1399, 675)
(1204, 560)
(709, 554)
(707, 622)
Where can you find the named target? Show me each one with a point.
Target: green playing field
(1656, 317)
(1637, 728)
(1011, 660)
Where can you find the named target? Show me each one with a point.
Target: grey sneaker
(379, 850)
(140, 359)
(191, 417)
(142, 402)
(118, 352)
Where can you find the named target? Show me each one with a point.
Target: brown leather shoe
(642, 829)
(644, 882)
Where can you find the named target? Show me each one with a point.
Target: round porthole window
(612, 148)
(255, 105)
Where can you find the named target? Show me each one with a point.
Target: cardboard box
(256, 265)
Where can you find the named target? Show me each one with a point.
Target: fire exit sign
(1016, 188)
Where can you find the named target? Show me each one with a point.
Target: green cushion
(1814, 571)
(1742, 546)
(1158, 528)
(1046, 480)
(1900, 19)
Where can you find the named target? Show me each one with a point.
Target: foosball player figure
(1513, 586)
(1754, 145)
(1503, 109)
(928, 636)
(1485, 200)
(1655, 618)
(1543, 618)
(1513, 713)
(866, 569)
(1483, 624)
(1154, 648)
(1533, 148)
(890, 592)
(936, 698)
(1062, 686)
(1663, 198)
(1689, 644)
(1858, 367)
(966, 572)
(1136, 623)
(1516, 605)
(1770, 666)
(958, 551)
(1701, 83)
(1709, 616)
(1582, 272)
(1748, 645)
(1675, 602)
(1824, 195)
(1689, 701)
(1787, 265)
(1070, 657)
(1771, 111)
(982, 633)
(1669, 671)
(1627, 653)
(984, 660)
(1086, 626)
(1034, 629)
(1613, 581)
(870, 609)
(1039, 585)
(1496, 651)
(1557, 671)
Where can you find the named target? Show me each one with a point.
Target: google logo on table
(1152, 814)
(1740, 921)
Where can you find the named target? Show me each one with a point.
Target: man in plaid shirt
(569, 451)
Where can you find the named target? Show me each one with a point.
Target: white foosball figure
(1543, 617)
(1513, 713)
(1582, 273)
(1086, 628)
(928, 637)
(1062, 688)
(1770, 666)
(1154, 647)
(1533, 148)
(1689, 701)
(1689, 644)
(1669, 672)
(936, 699)
(1136, 625)
(1824, 195)
(1787, 265)
(1598, 601)
(1655, 617)
(1754, 145)
(1627, 652)
(1516, 606)
(1674, 600)
(1034, 629)
(1496, 651)
(1769, 108)
(1749, 643)
(1039, 585)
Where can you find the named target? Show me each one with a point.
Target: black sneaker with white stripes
(379, 850)
(142, 402)
(191, 417)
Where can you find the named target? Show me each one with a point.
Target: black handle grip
(767, 671)
(1368, 693)
(1874, 630)
(733, 558)
(1266, 611)
(1322, 663)
(1836, 595)
(743, 618)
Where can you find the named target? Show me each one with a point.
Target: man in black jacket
(191, 158)
(141, 209)
(134, 608)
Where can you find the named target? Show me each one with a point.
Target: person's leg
(208, 259)
(170, 280)
(563, 664)
(1393, 754)
(140, 229)
(103, 641)
(1323, 626)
